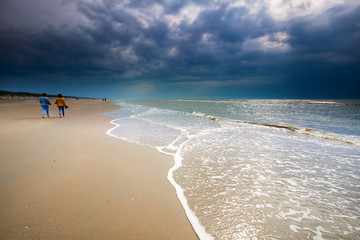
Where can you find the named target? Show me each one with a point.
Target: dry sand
(66, 179)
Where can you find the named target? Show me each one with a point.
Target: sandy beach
(65, 178)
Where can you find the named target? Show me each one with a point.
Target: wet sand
(64, 178)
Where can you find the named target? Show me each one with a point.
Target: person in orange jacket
(61, 104)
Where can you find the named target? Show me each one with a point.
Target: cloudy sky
(182, 49)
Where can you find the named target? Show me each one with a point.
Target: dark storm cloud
(48, 51)
(173, 42)
(327, 54)
(329, 33)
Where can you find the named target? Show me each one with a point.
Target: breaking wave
(305, 131)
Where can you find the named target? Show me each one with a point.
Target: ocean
(256, 169)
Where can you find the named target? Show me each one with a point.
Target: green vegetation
(27, 94)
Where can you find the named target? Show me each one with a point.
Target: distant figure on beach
(61, 104)
(44, 102)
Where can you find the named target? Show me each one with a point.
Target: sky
(121, 49)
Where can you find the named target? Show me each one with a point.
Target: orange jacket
(60, 102)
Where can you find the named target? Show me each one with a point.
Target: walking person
(61, 104)
(44, 102)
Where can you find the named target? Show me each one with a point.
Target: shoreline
(196, 225)
(73, 181)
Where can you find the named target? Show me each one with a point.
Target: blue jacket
(44, 101)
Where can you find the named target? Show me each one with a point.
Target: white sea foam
(242, 166)
(198, 227)
(294, 228)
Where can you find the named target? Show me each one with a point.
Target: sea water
(257, 169)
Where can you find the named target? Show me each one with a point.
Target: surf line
(218, 119)
(305, 131)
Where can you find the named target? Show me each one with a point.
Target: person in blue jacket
(44, 101)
